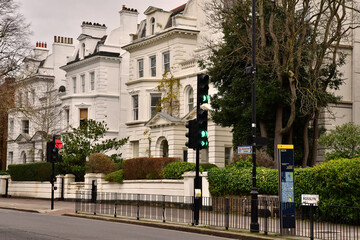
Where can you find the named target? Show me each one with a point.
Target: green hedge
(145, 168)
(4, 173)
(175, 170)
(337, 182)
(39, 171)
(117, 176)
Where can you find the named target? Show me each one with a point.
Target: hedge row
(117, 176)
(337, 182)
(145, 168)
(39, 171)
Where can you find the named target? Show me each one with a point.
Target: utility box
(286, 189)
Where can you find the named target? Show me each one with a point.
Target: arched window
(83, 49)
(23, 156)
(189, 98)
(152, 23)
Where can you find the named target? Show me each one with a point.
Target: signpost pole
(254, 225)
(52, 178)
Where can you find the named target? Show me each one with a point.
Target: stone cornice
(165, 34)
(88, 60)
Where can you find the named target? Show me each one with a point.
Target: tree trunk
(315, 138)
(306, 143)
(263, 133)
(278, 135)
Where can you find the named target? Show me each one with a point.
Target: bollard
(266, 217)
(138, 208)
(311, 222)
(6, 187)
(163, 208)
(226, 213)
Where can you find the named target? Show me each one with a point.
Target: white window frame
(152, 67)
(166, 61)
(153, 107)
(25, 128)
(140, 63)
(152, 26)
(135, 108)
(74, 84)
(190, 98)
(92, 81)
(83, 86)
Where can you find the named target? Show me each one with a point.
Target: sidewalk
(68, 209)
(37, 205)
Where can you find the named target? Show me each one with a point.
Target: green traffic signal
(204, 133)
(205, 98)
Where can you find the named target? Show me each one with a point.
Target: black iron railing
(321, 222)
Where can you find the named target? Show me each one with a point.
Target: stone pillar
(189, 184)
(3, 179)
(59, 179)
(68, 178)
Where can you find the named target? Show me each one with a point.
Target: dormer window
(143, 32)
(83, 49)
(152, 22)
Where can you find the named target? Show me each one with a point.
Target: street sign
(309, 199)
(286, 188)
(245, 150)
(58, 144)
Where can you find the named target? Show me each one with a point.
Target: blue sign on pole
(286, 188)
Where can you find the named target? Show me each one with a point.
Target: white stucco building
(96, 74)
(37, 113)
(172, 41)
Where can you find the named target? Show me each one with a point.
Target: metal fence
(322, 222)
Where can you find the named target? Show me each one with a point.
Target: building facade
(171, 42)
(37, 113)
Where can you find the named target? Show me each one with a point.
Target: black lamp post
(254, 225)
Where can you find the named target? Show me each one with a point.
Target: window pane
(167, 62)
(155, 102)
(153, 66)
(83, 83)
(92, 80)
(141, 68)
(135, 107)
(74, 84)
(191, 99)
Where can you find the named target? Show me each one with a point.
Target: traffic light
(191, 134)
(202, 115)
(202, 89)
(52, 153)
(202, 133)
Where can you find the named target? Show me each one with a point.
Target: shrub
(175, 170)
(145, 168)
(337, 182)
(4, 173)
(117, 176)
(206, 166)
(39, 171)
(344, 141)
(100, 163)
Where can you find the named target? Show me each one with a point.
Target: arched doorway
(23, 157)
(164, 148)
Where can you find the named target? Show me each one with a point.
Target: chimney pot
(58, 40)
(54, 39)
(62, 39)
(123, 7)
(45, 45)
(37, 44)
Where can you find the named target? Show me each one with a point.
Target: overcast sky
(49, 18)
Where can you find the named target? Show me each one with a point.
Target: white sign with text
(309, 199)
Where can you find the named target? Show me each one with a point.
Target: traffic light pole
(197, 185)
(52, 180)
(254, 225)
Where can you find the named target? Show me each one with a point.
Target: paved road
(16, 225)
